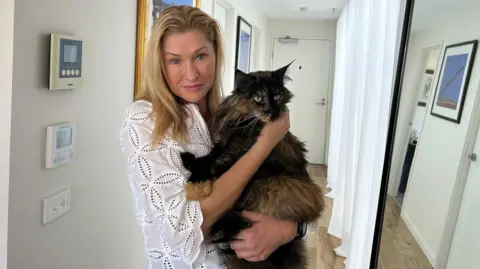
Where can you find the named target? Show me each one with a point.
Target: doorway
(419, 111)
(223, 13)
(310, 74)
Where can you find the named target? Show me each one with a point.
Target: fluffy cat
(281, 188)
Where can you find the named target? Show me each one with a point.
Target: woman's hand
(274, 131)
(263, 238)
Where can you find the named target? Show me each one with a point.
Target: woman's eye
(201, 57)
(257, 98)
(276, 97)
(174, 61)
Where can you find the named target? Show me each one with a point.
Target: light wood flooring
(398, 249)
(321, 244)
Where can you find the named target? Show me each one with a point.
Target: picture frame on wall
(147, 12)
(426, 84)
(243, 45)
(453, 81)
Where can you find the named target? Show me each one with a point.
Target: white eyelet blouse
(170, 224)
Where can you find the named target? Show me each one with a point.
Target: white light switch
(56, 205)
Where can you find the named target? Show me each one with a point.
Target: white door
(310, 73)
(465, 247)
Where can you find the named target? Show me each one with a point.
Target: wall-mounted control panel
(60, 144)
(66, 62)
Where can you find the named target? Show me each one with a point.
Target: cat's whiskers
(251, 125)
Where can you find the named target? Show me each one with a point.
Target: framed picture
(453, 80)
(426, 84)
(243, 45)
(147, 12)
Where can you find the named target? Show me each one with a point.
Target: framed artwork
(453, 81)
(426, 84)
(243, 45)
(147, 12)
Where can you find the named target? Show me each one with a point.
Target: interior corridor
(321, 244)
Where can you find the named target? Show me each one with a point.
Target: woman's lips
(193, 88)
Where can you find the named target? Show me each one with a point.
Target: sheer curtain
(365, 57)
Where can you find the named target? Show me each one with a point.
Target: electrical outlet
(56, 205)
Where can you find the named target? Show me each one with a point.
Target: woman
(180, 91)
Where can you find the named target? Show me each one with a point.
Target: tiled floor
(320, 243)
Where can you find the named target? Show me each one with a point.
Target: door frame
(399, 156)
(460, 182)
(229, 44)
(6, 69)
(330, 82)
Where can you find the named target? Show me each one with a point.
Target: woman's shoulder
(138, 108)
(145, 108)
(138, 115)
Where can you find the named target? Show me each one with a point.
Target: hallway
(321, 244)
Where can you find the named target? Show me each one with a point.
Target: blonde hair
(167, 109)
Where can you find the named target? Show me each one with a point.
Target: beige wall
(429, 189)
(6, 54)
(100, 230)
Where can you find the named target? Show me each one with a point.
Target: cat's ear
(241, 79)
(279, 74)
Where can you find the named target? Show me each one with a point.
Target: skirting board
(419, 238)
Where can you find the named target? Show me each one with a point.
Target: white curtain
(364, 73)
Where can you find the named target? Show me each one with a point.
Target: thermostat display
(60, 144)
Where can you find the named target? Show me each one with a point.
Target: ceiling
(317, 9)
(427, 13)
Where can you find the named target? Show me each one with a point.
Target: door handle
(472, 156)
(323, 102)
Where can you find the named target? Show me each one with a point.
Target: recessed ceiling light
(303, 8)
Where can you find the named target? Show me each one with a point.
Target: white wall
(305, 28)
(436, 162)
(252, 15)
(6, 64)
(100, 230)
(299, 28)
(419, 116)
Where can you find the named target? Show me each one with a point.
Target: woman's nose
(191, 72)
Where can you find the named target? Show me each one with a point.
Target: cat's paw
(198, 191)
(221, 165)
(187, 159)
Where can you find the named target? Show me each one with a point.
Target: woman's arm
(227, 188)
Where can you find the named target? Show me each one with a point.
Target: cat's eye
(276, 97)
(257, 98)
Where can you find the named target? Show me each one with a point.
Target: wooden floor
(321, 244)
(399, 249)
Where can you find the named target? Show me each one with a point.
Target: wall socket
(56, 205)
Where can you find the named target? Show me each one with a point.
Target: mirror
(428, 210)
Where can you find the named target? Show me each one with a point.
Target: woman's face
(189, 60)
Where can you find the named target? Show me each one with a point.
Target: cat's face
(263, 93)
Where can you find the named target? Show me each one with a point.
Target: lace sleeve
(158, 173)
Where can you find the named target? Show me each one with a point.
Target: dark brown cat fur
(281, 188)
